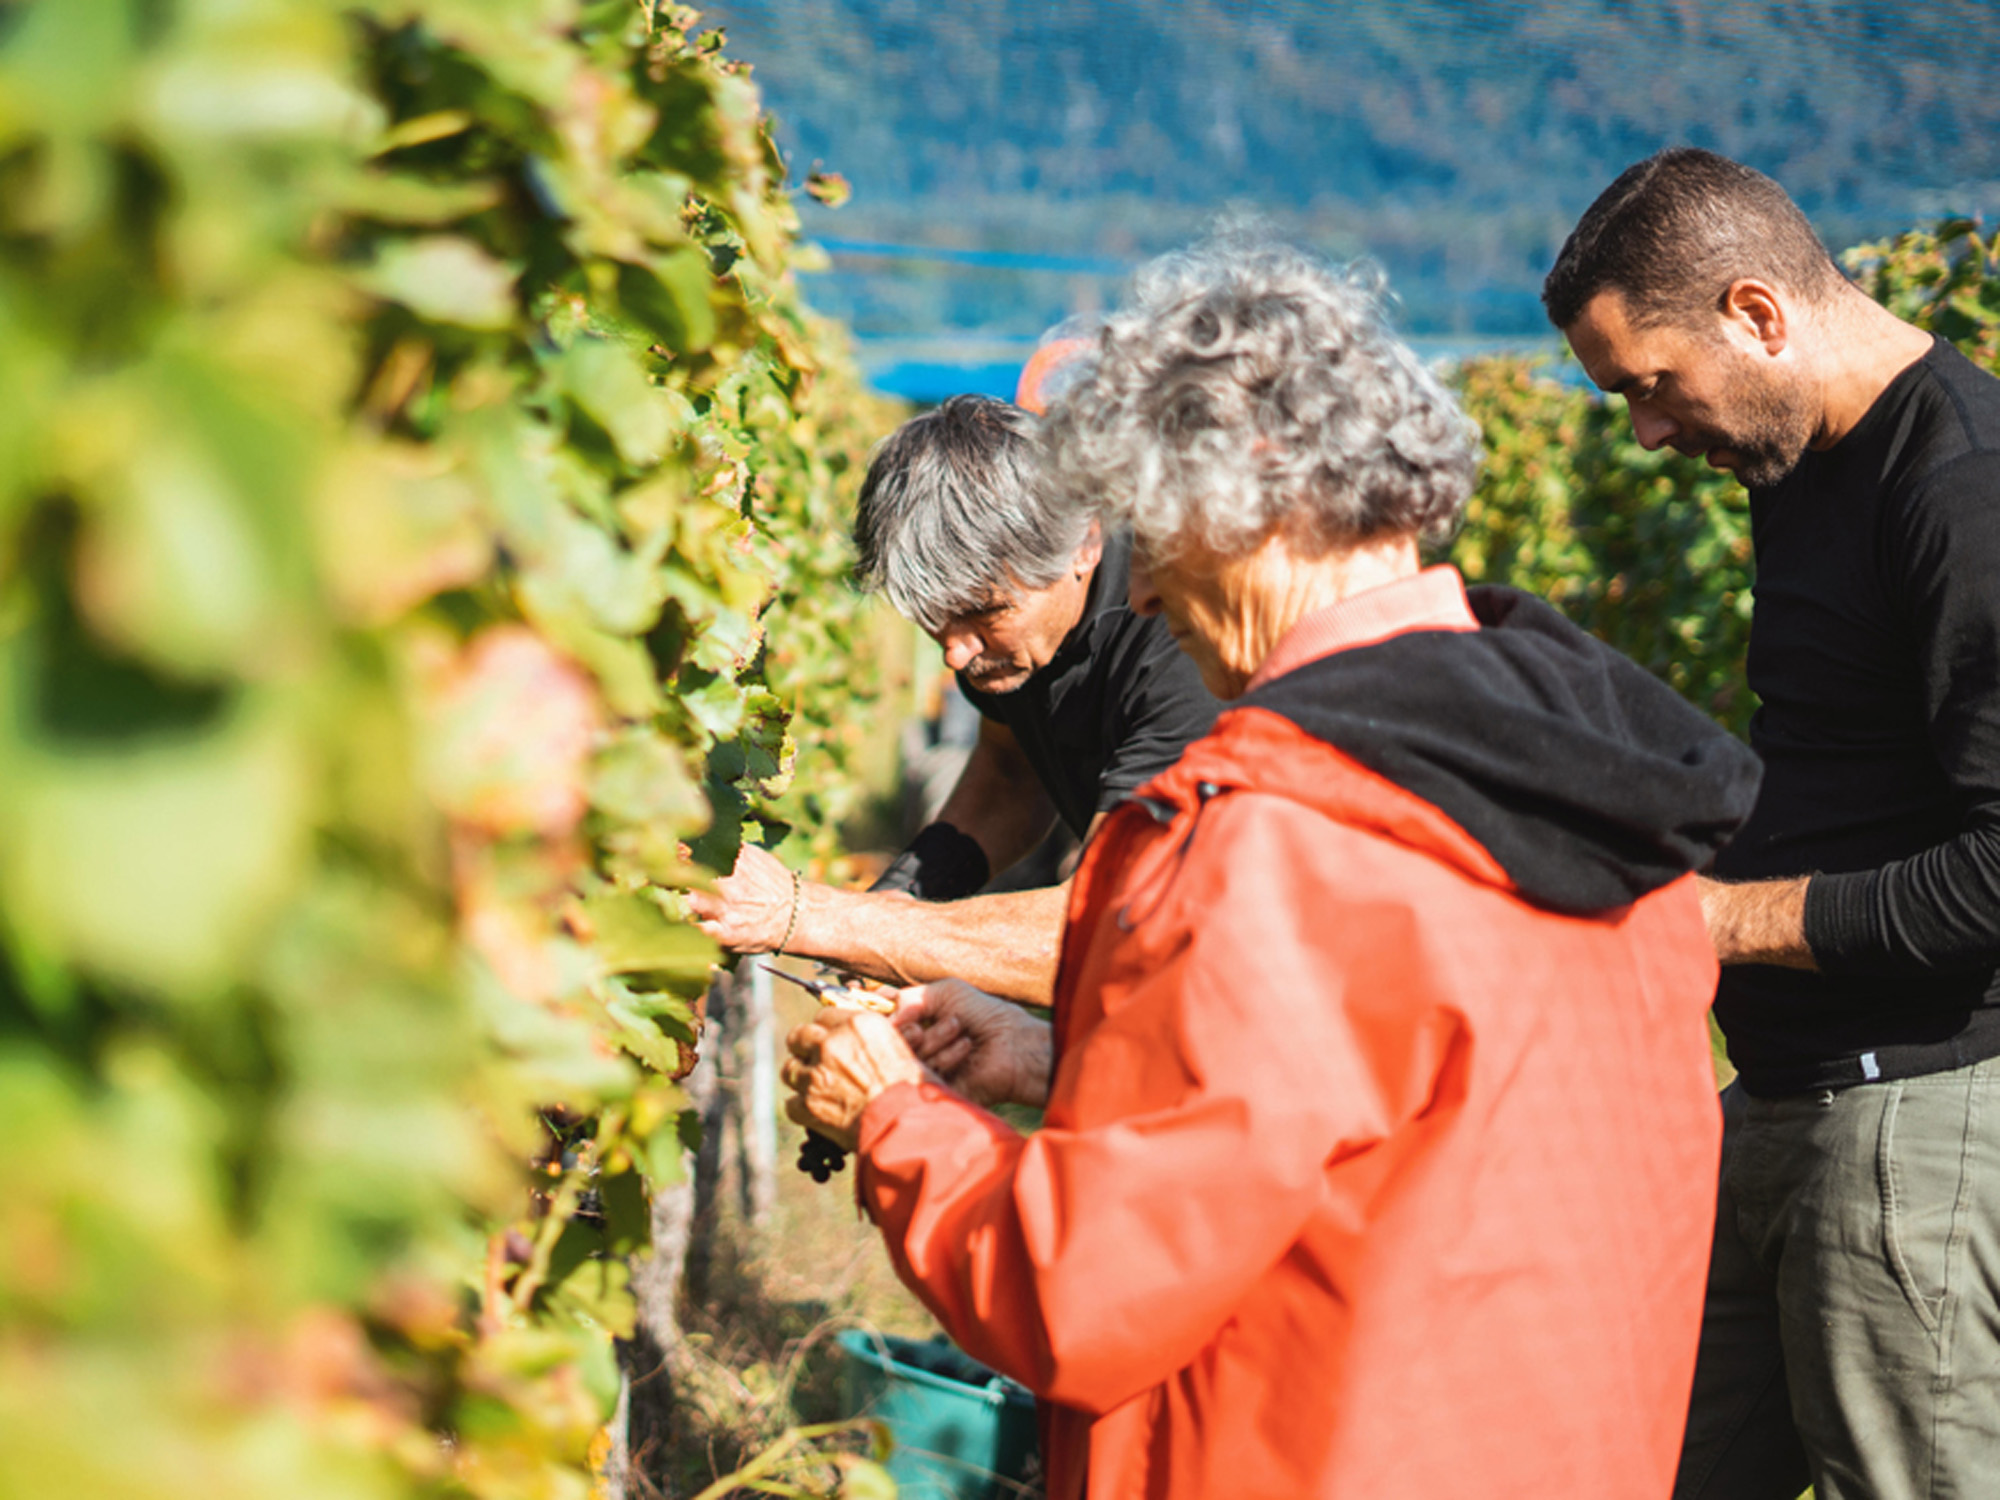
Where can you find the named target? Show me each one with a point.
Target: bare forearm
(1005, 944)
(1759, 922)
(999, 801)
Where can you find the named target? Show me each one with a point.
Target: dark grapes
(820, 1157)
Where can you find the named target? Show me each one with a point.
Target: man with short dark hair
(1081, 702)
(1852, 1329)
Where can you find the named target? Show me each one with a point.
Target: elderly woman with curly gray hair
(1380, 1132)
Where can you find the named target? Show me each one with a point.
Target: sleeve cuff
(889, 1106)
(1840, 929)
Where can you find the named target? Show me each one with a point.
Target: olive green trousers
(1851, 1337)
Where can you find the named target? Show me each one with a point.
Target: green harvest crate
(962, 1432)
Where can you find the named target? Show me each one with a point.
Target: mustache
(983, 670)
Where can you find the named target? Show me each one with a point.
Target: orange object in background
(1361, 1175)
(1051, 368)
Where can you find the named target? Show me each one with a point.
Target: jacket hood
(1587, 780)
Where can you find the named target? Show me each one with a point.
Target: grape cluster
(820, 1157)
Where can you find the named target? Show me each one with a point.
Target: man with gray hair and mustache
(1081, 701)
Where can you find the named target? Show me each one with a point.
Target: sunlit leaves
(445, 279)
(1650, 551)
(639, 778)
(633, 934)
(1945, 278)
(404, 477)
(158, 868)
(397, 524)
(829, 188)
(509, 730)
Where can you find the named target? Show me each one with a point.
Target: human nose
(1652, 428)
(1139, 590)
(961, 648)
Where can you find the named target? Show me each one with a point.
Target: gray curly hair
(1247, 387)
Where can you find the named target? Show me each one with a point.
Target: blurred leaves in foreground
(421, 516)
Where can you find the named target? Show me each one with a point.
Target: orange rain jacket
(1362, 1174)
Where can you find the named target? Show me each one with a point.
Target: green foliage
(1649, 551)
(1945, 278)
(420, 514)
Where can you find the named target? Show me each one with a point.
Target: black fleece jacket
(1588, 779)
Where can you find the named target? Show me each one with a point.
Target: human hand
(989, 1049)
(841, 1061)
(751, 908)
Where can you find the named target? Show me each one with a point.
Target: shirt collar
(1431, 600)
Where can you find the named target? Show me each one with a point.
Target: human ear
(1755, 310)
(1091, 552)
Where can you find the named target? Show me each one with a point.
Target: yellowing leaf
(864, 1479)
(508, 730)
(829, 188)
(445, 279)
(394, 198)
(397, 524)
(422, 129)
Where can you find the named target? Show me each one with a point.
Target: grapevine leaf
(631, 934)
(628, 1220)
(639, 778)
(598, 1293)
(558, 1056)
(669, 1151)
(829, 188)
(158, 867)
(671, 296)
(607, 383)
(510, 725)
(397, 198)
(444, 279)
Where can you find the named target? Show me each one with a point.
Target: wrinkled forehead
(987, 598)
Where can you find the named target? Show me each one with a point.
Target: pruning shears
(819, 1157)
(833, 992)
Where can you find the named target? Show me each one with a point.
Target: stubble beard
(1771, 428)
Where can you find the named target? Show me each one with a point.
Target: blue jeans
(1851, 1337)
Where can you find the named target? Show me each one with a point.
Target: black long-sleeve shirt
(1875, 650)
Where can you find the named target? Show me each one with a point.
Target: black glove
(941, 864)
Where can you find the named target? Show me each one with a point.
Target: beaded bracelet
(792, 925)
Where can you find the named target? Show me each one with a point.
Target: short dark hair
(1676, 230)
(952, 513)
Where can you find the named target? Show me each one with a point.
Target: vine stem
(773, 1458)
